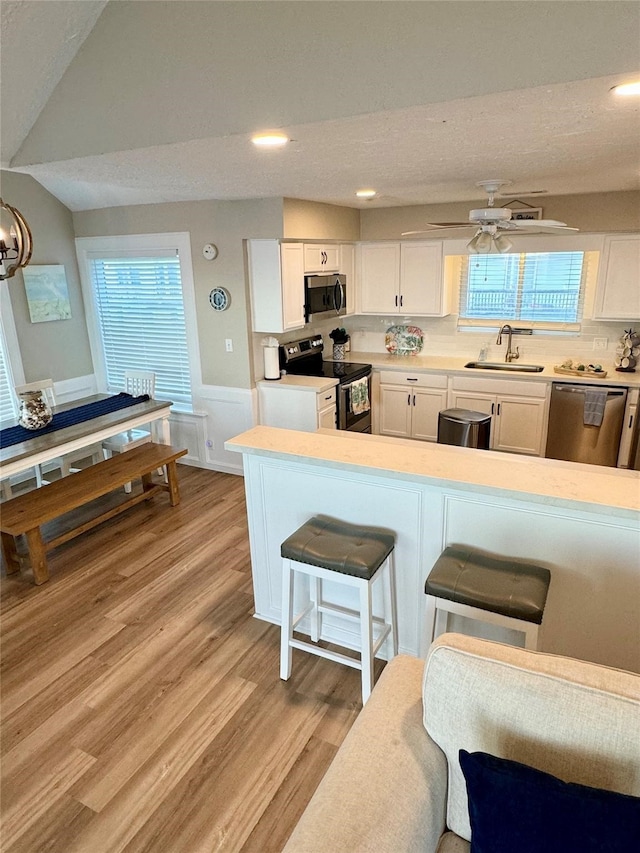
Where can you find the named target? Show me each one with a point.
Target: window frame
(86, 247)
(503, 316)
(455, 250)
(10, 343)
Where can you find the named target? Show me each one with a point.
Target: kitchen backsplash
(441, 337)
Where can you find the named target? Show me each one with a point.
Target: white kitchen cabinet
(618, 288)
(410, 404)
(305, 403)
(628, 424)
(347, 266)
(402, 278)
(319, 258)
(276, 275)
(518, 411)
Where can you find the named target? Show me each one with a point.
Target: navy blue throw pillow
(518, 809)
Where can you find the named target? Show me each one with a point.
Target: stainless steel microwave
(324, 296)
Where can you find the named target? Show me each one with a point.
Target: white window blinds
(544, 289)
(141, 319)
(8, 405)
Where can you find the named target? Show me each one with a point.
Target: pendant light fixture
(16, 243)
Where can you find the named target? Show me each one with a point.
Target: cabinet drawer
(326, 398)
(519, 387)
(417, 378)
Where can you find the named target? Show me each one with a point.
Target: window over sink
(544, 290)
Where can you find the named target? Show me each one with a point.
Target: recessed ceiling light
(627, 88)
(366, 193)
(269, 140)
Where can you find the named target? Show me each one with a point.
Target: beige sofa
(395, 784)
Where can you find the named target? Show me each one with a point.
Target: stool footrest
(326, 653)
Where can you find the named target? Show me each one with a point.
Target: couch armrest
(386, 789)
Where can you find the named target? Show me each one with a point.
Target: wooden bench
(27, 513)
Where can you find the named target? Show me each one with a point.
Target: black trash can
(464, 428)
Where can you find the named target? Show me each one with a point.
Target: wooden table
(42, 448)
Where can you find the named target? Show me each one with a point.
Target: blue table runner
(16, 434)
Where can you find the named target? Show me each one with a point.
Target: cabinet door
(319, 259)
(327, 417)
(426, 405)
(618, 294)
(519, 425)
(292, 287)
(347, 266)
(395, 411)
(421, 279)
(476, 402)
(379, 278)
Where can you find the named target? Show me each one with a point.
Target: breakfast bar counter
(582, 521)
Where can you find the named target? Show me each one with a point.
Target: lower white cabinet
(410, 404)
(518, 415)
(303, 403)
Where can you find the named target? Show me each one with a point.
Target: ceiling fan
(494, 223)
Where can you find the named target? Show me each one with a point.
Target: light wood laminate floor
(141, 705)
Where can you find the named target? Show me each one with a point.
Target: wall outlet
(600, 343)
(228, 345)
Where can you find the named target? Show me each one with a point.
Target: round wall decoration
(220, 298)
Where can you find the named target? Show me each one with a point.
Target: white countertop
(608, 491)
(316, 384)
(456, 365)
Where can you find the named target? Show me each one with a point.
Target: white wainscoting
(219, 413)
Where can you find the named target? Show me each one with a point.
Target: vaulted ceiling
(121, 102)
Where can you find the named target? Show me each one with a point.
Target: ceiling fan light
(472, 244)
(484, 243)
(503, 244)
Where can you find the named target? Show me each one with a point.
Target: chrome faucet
(509, 355)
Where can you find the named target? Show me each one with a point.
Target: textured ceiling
(561, 137)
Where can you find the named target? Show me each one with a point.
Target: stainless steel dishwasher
(585, 423)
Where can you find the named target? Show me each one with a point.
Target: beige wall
(308, 219)
(591, 213)
(226, 224)
(58, 349)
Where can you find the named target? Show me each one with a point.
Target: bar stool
(502, 592)
(326, 549)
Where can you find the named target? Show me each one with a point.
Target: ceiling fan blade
(432, 228)
(545, 225)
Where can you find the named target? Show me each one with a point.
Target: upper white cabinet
(347, 266)
(402, 278)
(320, 258)
(618, 290)
(276, 274)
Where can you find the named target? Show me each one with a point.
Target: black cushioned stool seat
(516, 592)
(352, 554)
(347, 548)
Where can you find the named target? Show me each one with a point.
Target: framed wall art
(47, 292)
(526, 213)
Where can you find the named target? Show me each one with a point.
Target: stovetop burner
(304, 358)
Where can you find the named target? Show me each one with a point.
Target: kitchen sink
(503, 365)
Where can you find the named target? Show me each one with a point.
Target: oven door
(354, 408)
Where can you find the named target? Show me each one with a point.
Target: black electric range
(304, 358)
